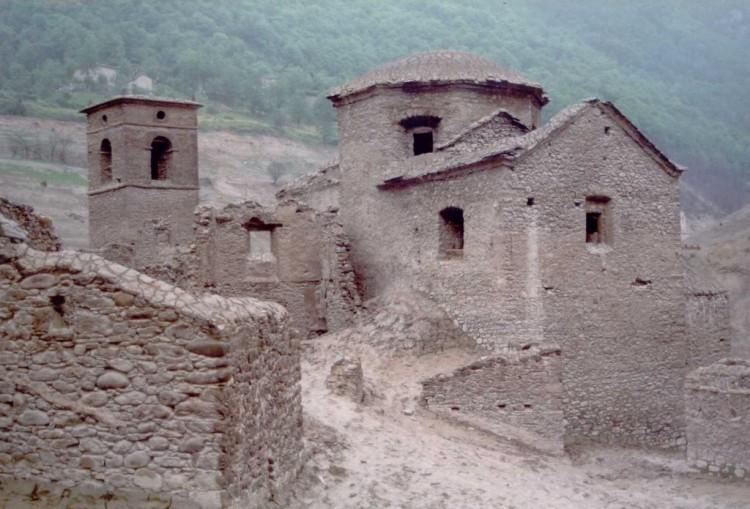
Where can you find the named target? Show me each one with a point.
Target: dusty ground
(392, 453)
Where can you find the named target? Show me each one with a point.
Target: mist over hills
(678, 68)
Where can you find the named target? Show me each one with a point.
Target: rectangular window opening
(423, 143)
(593, 227)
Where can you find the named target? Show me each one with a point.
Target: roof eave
(338, 94)
(163, 101)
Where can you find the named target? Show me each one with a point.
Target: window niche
(161, 158)
(261, 260)
(451, 237)
(105, 161)
(422, 130)
(598, 220)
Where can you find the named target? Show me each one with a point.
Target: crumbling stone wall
(521, 389)
(708, 318)
(718, 417)
(113, 381)
(39, 231)
(307, 270)
(319, 190)
(404, 321)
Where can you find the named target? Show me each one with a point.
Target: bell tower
(143, 174)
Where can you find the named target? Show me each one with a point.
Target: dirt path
(377, 455)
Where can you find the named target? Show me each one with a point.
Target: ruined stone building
(565, 234)
(553, 250)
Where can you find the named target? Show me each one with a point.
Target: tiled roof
(441, 66)
(442, 164)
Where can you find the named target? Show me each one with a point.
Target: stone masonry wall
(521, 389)
(527, 275)
(307, 269)
(115, 382)
(718, 417)
(709, 327)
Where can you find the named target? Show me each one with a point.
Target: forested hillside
(678, 68)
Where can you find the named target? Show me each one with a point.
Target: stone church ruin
(168, 359)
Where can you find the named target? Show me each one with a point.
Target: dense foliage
(678, 68)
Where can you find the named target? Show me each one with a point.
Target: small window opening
(502, 405)
(606, 129)
(530, 201)
(527, 406)
(161, 115)
(593, 227)
(104, 119)
(422, 129)
(598, 230)
(161, 155)
(105, 161)
(423, 143)
(259, 245)
(259, 241)
(455, 408)
(451, 233)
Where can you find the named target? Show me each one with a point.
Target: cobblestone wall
(114, 381)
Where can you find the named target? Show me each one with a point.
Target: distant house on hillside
(99, 73)
(142, 83)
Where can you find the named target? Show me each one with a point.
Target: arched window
(105, 161)
(451, 233)
(161, 155)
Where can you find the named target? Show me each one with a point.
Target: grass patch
(63, 176)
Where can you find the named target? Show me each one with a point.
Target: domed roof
(441, 66)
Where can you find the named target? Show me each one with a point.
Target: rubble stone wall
(718, 417)
(308, 269)
(148, 221)
(709, 327)
(113, 381)
(521, 389)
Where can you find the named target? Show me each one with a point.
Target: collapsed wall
(292, 255)
(117, 382)
(717, 402)
(516, 394)
(405, 321)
